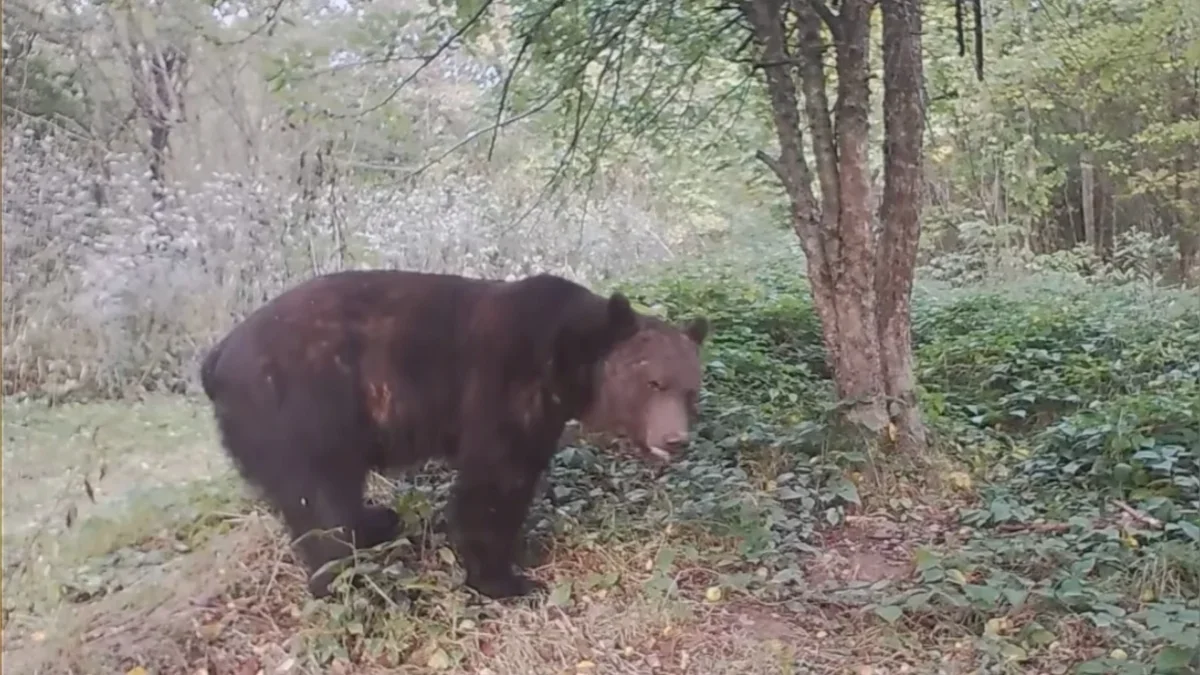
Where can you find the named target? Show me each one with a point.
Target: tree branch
(816, 109)
(508, 78)
(831, 20)
(446, 44)
(766, 18)
(774, 165)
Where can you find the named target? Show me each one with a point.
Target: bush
(111, 296)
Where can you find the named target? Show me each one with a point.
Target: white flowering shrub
(114, 296)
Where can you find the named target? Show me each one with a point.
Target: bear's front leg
(487, 508)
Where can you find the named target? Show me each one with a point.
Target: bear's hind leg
(487, 509)
(376, 524)
(328, 520)
(309, 457)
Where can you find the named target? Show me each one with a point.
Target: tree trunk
(1087, 190)
(903, 128)
(1187, 200)
(861, 288)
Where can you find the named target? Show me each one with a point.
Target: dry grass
(164, 621)
(237, 606)
(181, 596)
(209, 585)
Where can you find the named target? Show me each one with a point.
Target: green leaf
(561, 595)
(986, 595)
(926, 558)
(1041, 638)
(889, 613)
(1012, 652)
(846, 491)
(1175, 659)
(1190, 529)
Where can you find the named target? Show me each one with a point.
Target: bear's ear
(622, 320)
(592, 328)
(697, 330)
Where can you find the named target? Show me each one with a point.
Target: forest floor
(147, 558)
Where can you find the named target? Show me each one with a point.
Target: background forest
(169, 166)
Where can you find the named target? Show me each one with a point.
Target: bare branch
(831, 20)
(270, 17)
(479, 132)
(446, 44)
(508, 78)
(766, 17)
(772, 164)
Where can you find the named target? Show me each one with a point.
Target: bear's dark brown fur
(364, 370)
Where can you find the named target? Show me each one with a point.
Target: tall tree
(861, 282)
(659, 68)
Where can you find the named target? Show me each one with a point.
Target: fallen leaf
(561, 595)
(1013, 652)
(438, 660)
(959, 480)
(210, 631)
(137, 670)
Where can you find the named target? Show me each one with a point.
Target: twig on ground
(1042, 528)
(1145, 519)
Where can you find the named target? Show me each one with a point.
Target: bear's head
(648, 386)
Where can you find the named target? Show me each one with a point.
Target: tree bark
(858, 373)
(1087, 190)
(1187, 168)
(900, 211)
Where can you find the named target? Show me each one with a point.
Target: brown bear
(384, 369)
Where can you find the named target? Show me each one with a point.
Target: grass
(1063, 538)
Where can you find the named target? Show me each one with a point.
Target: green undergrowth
(1074, 409)
(1077, 408)
(1061, 402)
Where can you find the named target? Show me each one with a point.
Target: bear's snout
(670, 445)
